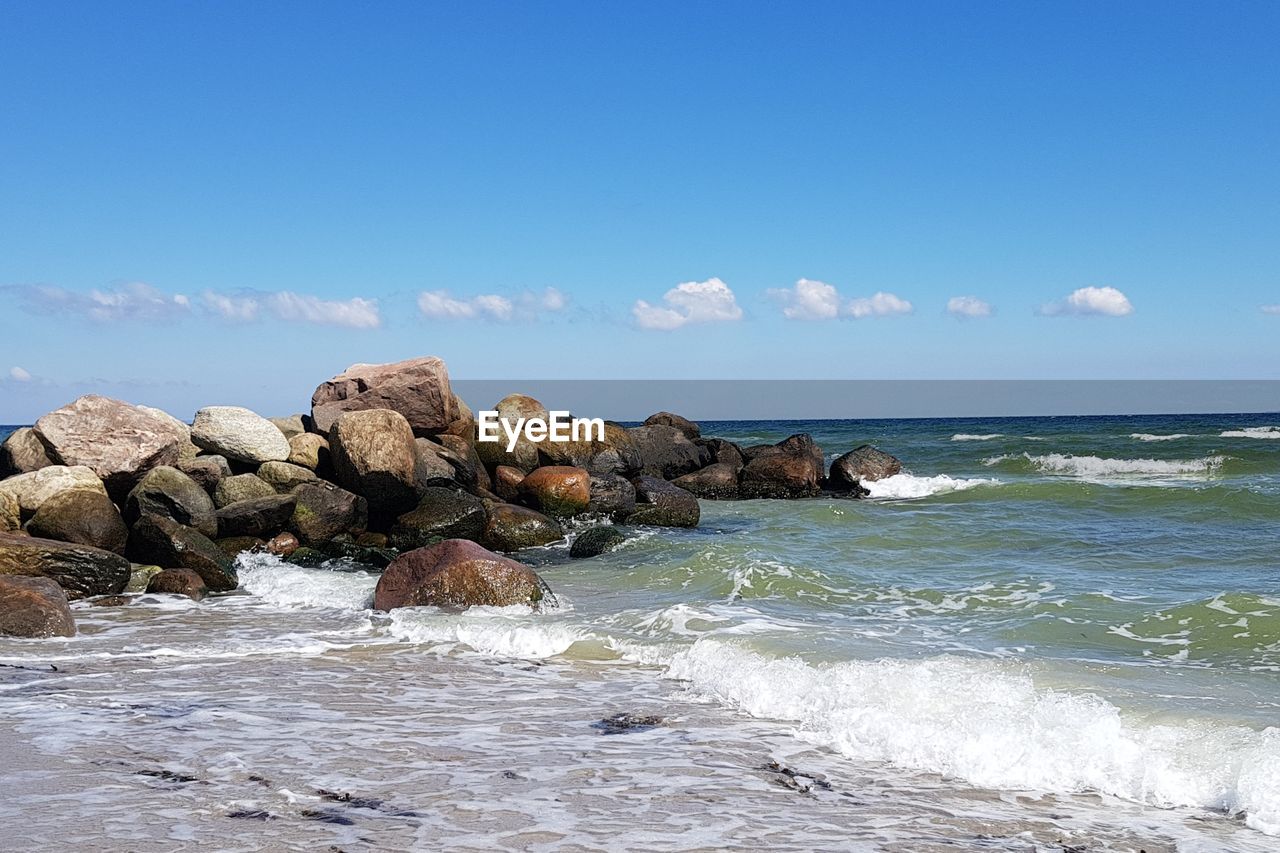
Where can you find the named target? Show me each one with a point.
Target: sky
(227, 203)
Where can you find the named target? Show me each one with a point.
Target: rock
(283, 544)
(234, 546)
(31, 490)
(430, 468)
(283, 476)
(374, 455)
(168, 492)
(115, 440)
(509, 528)
(140, 576)
(557, 490)
(666, 452)
(82, 517)
(723, 452)
(595, 541)
(179, 582)
(617, 454)
(239, 434)
(344, 548)
(207, 471)
(290, 426)
(861, 464)
(372, 540)
(81, 570)
(718, 482)
(324, 511)
(164, 542)
(310, 451)
(34, 607)
(441, 514)
(418, 389)
(468, 469)
(686, 426)
(10, 513)
(22, 452)
(241, 487)
(524, 455)
(457, 573)
(662, 504)
(790, 469)
(181, 432)
(612, 495)
(310, 557)
(506, 482)
(262, 517)
(464, 422)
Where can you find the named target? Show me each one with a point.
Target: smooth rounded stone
(22, 452)
(31, 490)
(666, 452)
(310, 451)
(289, 426)
(430, 467)
(374, 455)
(284, 477)
(791, 469)
(241, 487)
(506, 482)
(283, 544)
(862, 464)
(558, 490)
(139, 576)
(457, 573)
(722, 451)
(441, 514)
(612, 495)
(617, 454)
(179, 582)
(233, 546)
(718, 482)
(34, 607)
(418, 389)
(325, 510)
(686, 426)
(181, 432)
(239, 434)
(10, 513)
(207, 471)
(81, 570)
(524, 455)
(595, 541)
(82, 517)
(169, 492)
(461, 453)
(509, 528)
(163, 542)
(662, 504)
(115, 440)
(310, 558)
(263, 517)
(372, 540)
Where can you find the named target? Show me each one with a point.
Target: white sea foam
(1252, 432)
(910, 486)
(283, 585)
(1097, 467)
(514, 632)
(1147, 436)
(987, 723)
(964, 436)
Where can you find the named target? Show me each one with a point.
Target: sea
(1046, 634)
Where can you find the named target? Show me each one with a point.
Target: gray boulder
(241, 487)
(169, 492)
(239, 434)
(260, 517)
(666, 452)
(595, 541)
(80, 570)
(325, 510)
(441, 514)
(862, 464)
(718, 482)
(509, 528)
(662, 504)
(207, 471)
(163, 542)
(31, 490)
(284, 477)
(612, 495)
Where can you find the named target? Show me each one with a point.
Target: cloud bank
(710, 301)
(817, 300)
(1090, 302)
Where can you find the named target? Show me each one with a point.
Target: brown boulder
(207, 471)
(283, 544)
(788, 469)
(418, 389)
(722, 451)
(119, 442)
(34, 607)
(686, 426)
(524, 455)
(430, 467)
(558, 490)
(10, 513)
(22, 452)
(82, 517)
(666, 452)
(310, 451)
(718, 482)
(862, 464)
(442, 513)
(663, 505)
(261, 517)
(509, 528)
(163, 542)
(612, 495)
(468, 469)
(324, 511)
(506, 482)
(457, 573)
(81, 570)
(374, 455)
(178, 582)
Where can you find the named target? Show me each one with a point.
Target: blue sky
(227, 203)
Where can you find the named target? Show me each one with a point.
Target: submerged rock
(239, 434)
(169, 492)
(115, 440)
(81, 570)
(663, 504)
(558, 490)
(418, 389)
(595, 541)
(179, 582)
(457, 573)
(862, 464)
(82, 517)
(163, 542)
(34, 607)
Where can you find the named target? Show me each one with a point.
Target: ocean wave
(1147, 436)
(964, 436)
(901, 486)
(511, 632)
(1252, 432)
(988, 724)
(1097, 467)
(284, 585)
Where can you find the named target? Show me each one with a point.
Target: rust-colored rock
(557, 490)
(457, 573)
(788, 469)
(506, 482)
(178, 582)
(34, 607)
(283, 544)
(418, 389)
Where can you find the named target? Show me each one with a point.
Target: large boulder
(558, 490)
(430, 467)
(686, 426)
(457, 573)
(506, 482)
(662, 504)
(261, 517)
(169, 492)
(374, 455)
(418, 389)
(595, 541)
(283, 476)
(80, 570)
(718, 482)
(442, 513)
(310, 451)
(241, 487)
(10, 513)
(509, 528)
(468, 469)
(34, 607)
(115, 440)
(862, 464)
(612, 495)
(617, 454)
(239, 434)
(186, 582)
(289, 426)
(23, 452)
(723, 451)
(83, 517)
(666, 452)
(788, 469)
(160, 541)
(208, 471)
(181, 432)
(524, 455)
(31, 490)
(325, 510)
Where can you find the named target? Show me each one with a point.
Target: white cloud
(443, 305)
(808, 300)
(1271, 309)
(1090, 302)
(354, 313)
(709, 301)
(968, 307)
(18, 374)
(238, 308)
(122, 303)
(880, 304)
